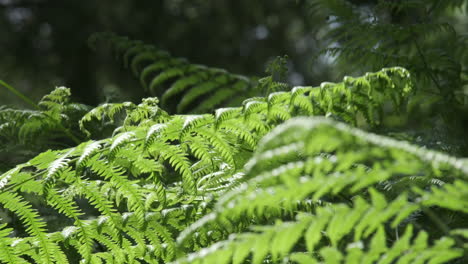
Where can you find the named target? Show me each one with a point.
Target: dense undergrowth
(209, 170)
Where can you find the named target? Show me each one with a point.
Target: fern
(180, 85)
(406, 26)
(251, 182)
(310, 160)
(188, 158)
(417, 35)
(29, 132)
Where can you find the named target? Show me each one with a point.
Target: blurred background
(43, 44)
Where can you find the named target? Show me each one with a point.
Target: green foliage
(317, 190)
(405, 33)
(29, 132)
(419, 35)
(234, 183)
(182, 87)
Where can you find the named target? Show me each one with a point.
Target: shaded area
(44, 42)
(44, 45)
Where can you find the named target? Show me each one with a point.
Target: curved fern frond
(180, 85)
(128, 197)
(416, 35)
(341, 170)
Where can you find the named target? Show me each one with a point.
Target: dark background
(43, 42)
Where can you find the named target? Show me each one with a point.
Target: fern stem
(19, 94)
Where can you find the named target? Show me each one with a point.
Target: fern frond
(7, 253)
(413, 34)
(88, 151)
(329, 162)
(68, 207)
(34, 225)
(168, 77)
(103, 111)
(29, 132)
(128, 197)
